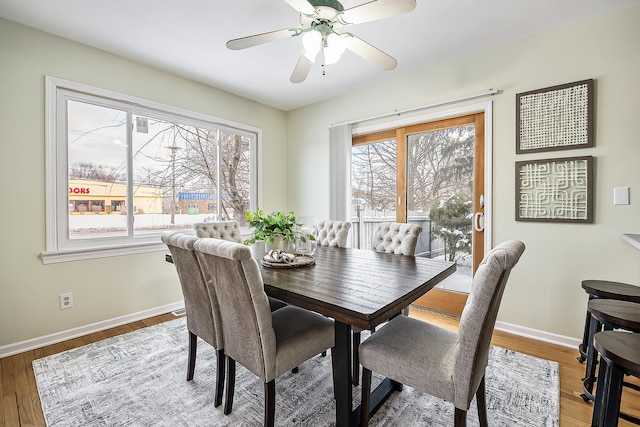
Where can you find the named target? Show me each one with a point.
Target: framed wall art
(555, 190)
(555, 118)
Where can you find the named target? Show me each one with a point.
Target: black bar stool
(606, 314)
(619, 356)
(608, 290)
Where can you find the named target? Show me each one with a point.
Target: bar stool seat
(619, 356)
(608, 290)
(606, 314)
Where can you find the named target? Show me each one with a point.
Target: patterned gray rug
(138, 379)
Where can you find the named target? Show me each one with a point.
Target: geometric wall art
(555, 190)
(555, 118)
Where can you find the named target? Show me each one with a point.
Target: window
(122, 170)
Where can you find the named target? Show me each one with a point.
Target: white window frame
(58, 247)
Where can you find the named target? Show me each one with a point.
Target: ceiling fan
(319, 22)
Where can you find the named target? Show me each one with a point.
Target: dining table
(355, 287)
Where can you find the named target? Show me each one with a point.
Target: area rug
(138, 379)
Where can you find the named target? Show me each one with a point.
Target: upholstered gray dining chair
(230, 231)
(442, 363)
(333, 233)
(393, 238)
(203, 314)
(225, 230)
(266, 343)
(396, 237)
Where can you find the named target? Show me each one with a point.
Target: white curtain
(340, 172)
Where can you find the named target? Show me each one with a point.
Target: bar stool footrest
(631, 386)
(629, 418)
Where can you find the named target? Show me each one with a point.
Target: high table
(355, 287)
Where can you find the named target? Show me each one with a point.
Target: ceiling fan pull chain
(324, 41)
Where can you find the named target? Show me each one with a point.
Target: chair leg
(231, 384)
(460, 418)
(366, 397)
(356, 358)
(220, 373)
(269, 403)
(191, 364)
(482, 404)
(333, 373)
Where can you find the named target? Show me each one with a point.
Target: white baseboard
(539, 335)
(19, 347)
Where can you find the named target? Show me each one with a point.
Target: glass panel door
(431, 174)
(440, 194)
(373, 183)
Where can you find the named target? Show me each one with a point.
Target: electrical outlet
(66, 301)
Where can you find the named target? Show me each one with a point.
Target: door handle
(478, 222)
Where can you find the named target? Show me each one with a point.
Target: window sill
(53, 257)
(79, 254)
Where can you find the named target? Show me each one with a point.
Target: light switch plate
(621, 196)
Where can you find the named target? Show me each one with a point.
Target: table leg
(343, 391)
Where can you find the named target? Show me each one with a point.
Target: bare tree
(193, 166)
(374, 174)
(439, 165)
(95, 172)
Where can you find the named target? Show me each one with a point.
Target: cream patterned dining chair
(393, 238)
(445, 364)
(225, 230)
(230, 231)
(333, 233)
(267, 343)
(398, 238)
(203, 314)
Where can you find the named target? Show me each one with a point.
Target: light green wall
(544, 291)
(104, 288)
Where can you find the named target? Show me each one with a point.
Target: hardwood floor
(20, 404)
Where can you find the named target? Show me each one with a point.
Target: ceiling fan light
(312, 42)
(311, 57)
(334, 49)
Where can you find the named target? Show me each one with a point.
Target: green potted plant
(275, 229)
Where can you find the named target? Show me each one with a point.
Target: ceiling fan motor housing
(333, 4)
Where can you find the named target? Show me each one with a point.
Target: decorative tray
(298, 261)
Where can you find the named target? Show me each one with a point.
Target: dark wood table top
(622, 314)
(621, 348)
(362, 288)
(612, 290)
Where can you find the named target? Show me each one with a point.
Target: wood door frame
(439, 299)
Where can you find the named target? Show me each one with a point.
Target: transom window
(120, 171)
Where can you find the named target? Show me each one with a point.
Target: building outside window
(121, 170)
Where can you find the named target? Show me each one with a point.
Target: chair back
(399, 238)
(478, 319)
(225, 230)
(199, 299)
(249, 337)
(333, 233)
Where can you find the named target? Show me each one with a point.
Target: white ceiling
(187, 37)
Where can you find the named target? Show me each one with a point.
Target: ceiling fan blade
(376, 10)
(301, 71)
(370, 53)
(302, 6)
(250, 41)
